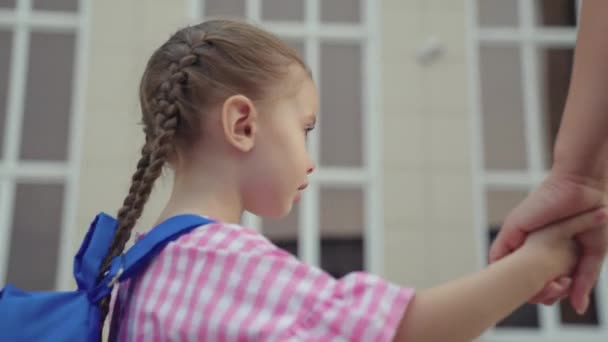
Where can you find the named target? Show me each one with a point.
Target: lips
(299, 194)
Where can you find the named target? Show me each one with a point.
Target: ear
(239, 122)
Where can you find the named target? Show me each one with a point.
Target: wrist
(537, 267)
(589, 171)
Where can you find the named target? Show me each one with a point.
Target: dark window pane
(36, 228)
(283, 10)
(6, 40)
(290, 246)
(56, 5)
(7, 3)
(554, 77)
(225, 8)
(569, 316)
(283, 232)
(498, 13)
(556, 12)
(502, 108)
(342, 219)
(46, 123)
(341, 256)
(348, 11)
(500, 203)
(341, 107)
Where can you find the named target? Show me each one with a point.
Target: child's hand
(554, 247)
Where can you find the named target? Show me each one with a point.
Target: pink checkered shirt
(223, 282)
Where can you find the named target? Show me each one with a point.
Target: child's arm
(462, 309)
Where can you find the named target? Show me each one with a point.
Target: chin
(277, 211)
(281, 212)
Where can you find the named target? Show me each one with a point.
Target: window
(521, 61)
(42, 54)
(340, 213)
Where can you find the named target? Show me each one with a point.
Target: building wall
(112, 137)
(427, 162)
(427, 186)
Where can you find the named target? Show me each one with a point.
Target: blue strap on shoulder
(144, 250)
(50, 316)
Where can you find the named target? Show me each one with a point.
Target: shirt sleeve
(357, 307)
(307, 304)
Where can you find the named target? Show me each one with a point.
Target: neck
(204, 191)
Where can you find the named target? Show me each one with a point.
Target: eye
(308, 130)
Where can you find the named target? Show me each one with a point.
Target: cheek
(282, 153)
(270, 189)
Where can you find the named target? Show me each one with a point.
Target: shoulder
(226, 238)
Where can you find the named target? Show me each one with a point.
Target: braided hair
(197, 67)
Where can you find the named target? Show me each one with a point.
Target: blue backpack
(75, 315)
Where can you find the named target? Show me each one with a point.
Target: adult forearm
(582, 144)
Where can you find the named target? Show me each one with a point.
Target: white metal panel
(69, 231)
(15, 104)
(308, 220)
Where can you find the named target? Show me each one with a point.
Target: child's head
(225, 93)
(229, 94)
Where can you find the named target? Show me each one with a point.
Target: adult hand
(558, 197)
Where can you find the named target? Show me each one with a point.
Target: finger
(581, 223)
(540, 208)
(552, 291)
(539, 298)
(560, 291)
(507, 241)
(547, 293)
(565, 281)
(555, 290)
(585, 278)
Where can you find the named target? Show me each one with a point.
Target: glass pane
(36, 228)
(49, 94)
(499, 204)
(7, 3)
(283, 232)
(341, 108)
(6, 40)
(502, 108)
(225, 8)
(569, 316)
(498, 13)
(341, 219)
(283, 10)
(555, 66)
(556, 12)
(56, 5)
(341, 11)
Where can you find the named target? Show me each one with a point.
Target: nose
(311, 168)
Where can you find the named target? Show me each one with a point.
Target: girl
(228, 107)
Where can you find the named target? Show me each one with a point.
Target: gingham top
(223, 282)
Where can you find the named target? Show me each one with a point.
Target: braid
(154, 155)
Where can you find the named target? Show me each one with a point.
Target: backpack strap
(144, 250)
